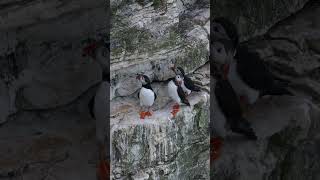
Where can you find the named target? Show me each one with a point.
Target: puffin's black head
(178, 70)
(223, 28)
(143, 79)
(178, 79)
(222, 51)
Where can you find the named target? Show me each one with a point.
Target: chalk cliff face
(46, 84)
(143, 39)
(146, 37)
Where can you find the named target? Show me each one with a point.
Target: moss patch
(133, 39)
(194, 57)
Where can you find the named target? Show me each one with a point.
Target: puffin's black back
(252, 70)
(230, 107)
(190, 84)
(227, 99)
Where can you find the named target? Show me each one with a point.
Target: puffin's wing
(190, 84)
(230, 106)
(252, 70)
(227, 99)
(182, 96)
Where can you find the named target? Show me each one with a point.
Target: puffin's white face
(219, 53)
(218, 31)
(142, 79)
(179, 79)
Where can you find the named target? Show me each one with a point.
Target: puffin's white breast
(146, 97)
(172, 91)
(239, 86)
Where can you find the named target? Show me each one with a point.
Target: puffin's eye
(219, 50)
(216, 29)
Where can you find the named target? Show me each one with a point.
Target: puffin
(188, 85)
(146, 95)
(246, 72)
(230, 107)
(99, 105)
(229, 104)
(223, 28)
(176, 93)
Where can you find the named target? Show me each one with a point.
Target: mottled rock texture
(144, 40)
(54, 138)
(146, 37)
(45, 84)
(287, 127)
(255, 17)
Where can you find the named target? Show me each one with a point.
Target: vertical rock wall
(146, 37)
(45, 86)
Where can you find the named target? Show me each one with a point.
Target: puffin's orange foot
(175, 109)
(103, 170)
(148, 113)
(216, 145)
(143, 114)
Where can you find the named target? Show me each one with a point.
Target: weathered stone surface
(282, 125)
(287, 127)
(56, 144)
(255, 17)
(46, 39)
(147, 39)
(158, 147)
(289, 48)
(58, 83)
(43, 71)
(144, 40)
